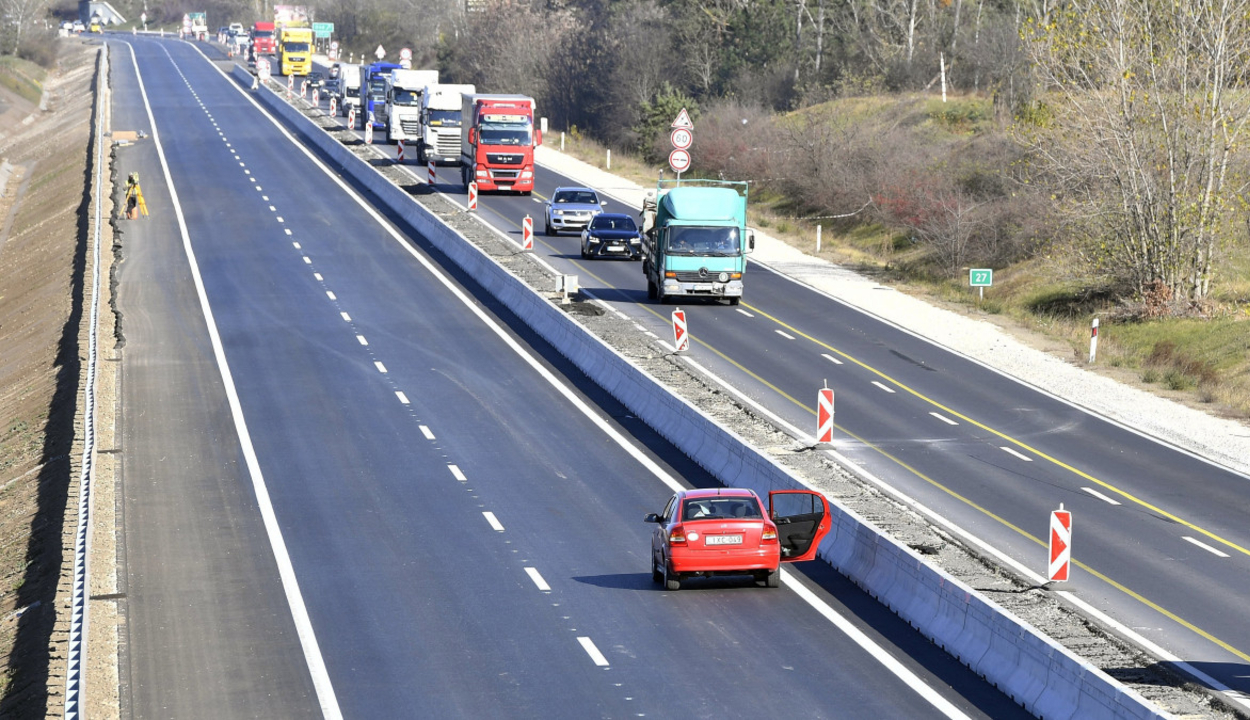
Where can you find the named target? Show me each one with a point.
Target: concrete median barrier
(1043, 676)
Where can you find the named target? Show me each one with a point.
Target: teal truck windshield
(704, 241)
(506, 133)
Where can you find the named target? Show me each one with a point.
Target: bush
(40, 48)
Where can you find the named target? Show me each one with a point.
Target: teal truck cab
(695, 240)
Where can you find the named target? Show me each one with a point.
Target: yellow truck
(295, 48)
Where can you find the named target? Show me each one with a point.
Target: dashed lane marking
(538, 579)
(494, 521)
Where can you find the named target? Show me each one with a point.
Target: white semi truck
(403, 102)
(440, 123)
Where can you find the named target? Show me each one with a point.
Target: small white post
(1093, 342)
(561, 141)
(942, 60)
(818, 229)
(542, 125)
(609, 159)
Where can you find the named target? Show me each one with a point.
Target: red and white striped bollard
(473, 196)
(527, 233)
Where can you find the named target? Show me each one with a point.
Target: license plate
(614, 248)
(702, 287)
(723, 540)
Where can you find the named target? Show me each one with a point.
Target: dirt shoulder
(44, 211)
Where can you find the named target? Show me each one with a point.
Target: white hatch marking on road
(296, 245)
(593, 651)
(494, 521)
(1009, 451)
(331, 295)
(538, 579)
(944, 419)
(242, 165)
(345, 316)
(273, 209)
(884, 387)
(318, 277)
(744, 312)
(426, 432)
(784, 335)
(286, 230)
(307, 260)
(402, 397)
(1100, 496)
(362, 339)
(455, 472)
(831, 358)
(1204, 546)
(280, 219)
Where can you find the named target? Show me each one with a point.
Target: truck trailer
(497, 141)
(695, 240)
(439, 137)
(403, 102)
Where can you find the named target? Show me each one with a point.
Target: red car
(726, 532)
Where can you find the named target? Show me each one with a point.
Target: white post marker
(1060, 544)
(824, 415)
(472, 196)
(818, 228)
(527, 233)
(431, 173)
(399, 152)
(609, 160)
(1093, 341)
(681, 336)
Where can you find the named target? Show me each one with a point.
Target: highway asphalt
(358, 490)
(1160, 539)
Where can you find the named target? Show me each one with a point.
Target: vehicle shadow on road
(619, 581)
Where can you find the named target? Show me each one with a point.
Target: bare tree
(18, 17)
(1146, 108)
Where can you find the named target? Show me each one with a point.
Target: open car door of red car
(802, 520)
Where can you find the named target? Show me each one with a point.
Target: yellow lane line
(1080, 473)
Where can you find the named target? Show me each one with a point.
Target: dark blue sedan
(612, 235)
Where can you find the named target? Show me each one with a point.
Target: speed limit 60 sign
(681, 138)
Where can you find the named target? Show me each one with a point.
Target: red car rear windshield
(720, 508)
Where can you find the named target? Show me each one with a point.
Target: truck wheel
(734, 300)
(652, 291)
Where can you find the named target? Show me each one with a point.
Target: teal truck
(695, 240)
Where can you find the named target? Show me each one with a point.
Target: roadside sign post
(1093, 341)
(1060, 545)
(682, 137)
(527, 233)
(473, 196)
(405, 59)
(681, 336)
(380, 52)
(981, 278)
(824, 415)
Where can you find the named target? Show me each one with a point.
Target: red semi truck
(262, 39)
(498, 138)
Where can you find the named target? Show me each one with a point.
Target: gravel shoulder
(975, 338)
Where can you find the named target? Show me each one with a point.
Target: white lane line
(345, 316)
(307, 260)
(296, 246)
(1204, 546)
(494, 521)
(831, 358)
(1009, 451)
(242, 165)
(650, 334)
(426, 432)
(744, 312)
(884, 387)
(266, 198)
(943, 418)
(263, 197)
(280, 219)
(455, 472)
(381, 368)
(900, 671)
(1100, 496)
(273, 209)
(402, 397)
(286, 230)
(538, 579)
(247, 172)
(593, 651)
(784, 335)
(320, 676)
(318, 277)
(362, 339)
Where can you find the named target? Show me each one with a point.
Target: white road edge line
(886, 388)
(1214, 551)
(538, 579)
(669, 480)
(286, 571)
(593, 651)
(1011, 451)
(494, 521)
(1100, 496)
(943, 418)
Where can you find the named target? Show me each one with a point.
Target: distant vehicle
(706, 532)
(695, 240)
(316, 79)
(612, 235)
(373, 94)
(349, 88)
(78, 26)
(236, 28)
(334, 70)
(439, 138)
(333, 88)
(404, 89)
(262, 38)
(571, 208)
(295, 50)
(199, 25)
(94, 27)
(497, 141)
